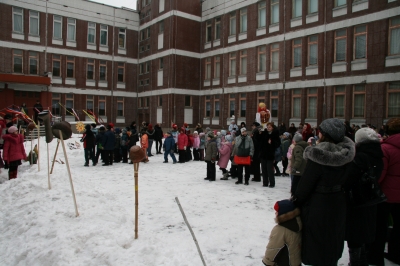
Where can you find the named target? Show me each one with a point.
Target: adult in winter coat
(255, 163)
(292, 129)
(198, 128)
(182, 144)
(282, 129)
(14, 151)
(269, 141)
(320, 195)
(169, 148)
(108, 143)
(124, 146)
(37, 108)
(211, 155)
(390, 185)
(88, 144)
(151, 135)
(298, 162)
(243, 147)
(224, 155)
(361, 221)
(99, 143)
(307, 132)
(158, 136)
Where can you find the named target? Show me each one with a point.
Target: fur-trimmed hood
(331, 154)
(289, 220)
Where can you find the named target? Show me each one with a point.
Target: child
(14, 151)
(124, 146)
(169, 147)
(224, 155)
(196, 145)
(202, 137)
(88, 140)
(182, 144)
(211, 154)
(284, 150)
(284, 246)
(144, 142)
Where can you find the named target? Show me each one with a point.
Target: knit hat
(256, 124)
(169, 132)
(297, 137)
(88, 127)
(334, 128)
(243, 129)
(286, 134)
(228, 138)
(102, 128)
(195, 132)
(223, 132)
(208, 129)
(284, 206)
(174, 126)
(393, 126)
(210, 135)
(111, 125)
(366, 135)
(12, 129)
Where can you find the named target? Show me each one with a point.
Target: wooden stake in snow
(54, 159)
(38, 140)
(191, 231)
(136, 169)
(69, 173)
(48, 167)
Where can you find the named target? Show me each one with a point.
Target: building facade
(204, 61)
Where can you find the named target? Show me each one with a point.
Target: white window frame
(18, 13)
(232, 59)
(243, 63)
(262, 14)
(103, 28)
(90, 64)
(71, 24)
(356, 36)
(243, 20)
(339, 91)
(34, 17)
(217, 28)
(208, 31)
(232, 23)
(208, 68)
(312, 44)
(274, 6)
(56, 58)
(262, 59)
(296, 13)
(297, 47)
(275, 49)
(121, 66)
(103, 65)
(392, 28)
(33, 57)
(91, 31)
(217, 66)
(57, 23)
(121, 33)
(311, 6)
(337, 39)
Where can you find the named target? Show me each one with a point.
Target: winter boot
(225, 176)
(354, 256)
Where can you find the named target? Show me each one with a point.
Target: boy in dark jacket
(88, 144)
(108, 144)
(169, 147)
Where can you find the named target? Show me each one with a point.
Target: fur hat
(243, 129)
(223, 132)
(12, 129)
(366, 135)
(284, 206)
(297, 137)
(210, 135)
(393, 126)
(334, 128)
(208, 129)
(286, 134)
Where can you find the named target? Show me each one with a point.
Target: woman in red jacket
(14, 151)
(182, 145)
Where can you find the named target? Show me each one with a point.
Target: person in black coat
(255, 163)
(320, 195)
(158, 136)
(151, 134)
(269, 141)
(361, 221)
(108, 144)
(37, 108)
(88, 140)
(282, 129)
(99, 140)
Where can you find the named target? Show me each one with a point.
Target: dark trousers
(196, 154)
(295, 182)
(108, 156)
(149, 147)
(211, 170)
(124, 154)
(12, 172)
(246, 173)
(182, 156)
(255, 169)
(188, 154)
(201, 154)
(158, 145)
(98, 153)
(276, 167)
(284, 164)
(89, 155)
(171, 153)
(376, 249)
(267, 167)
(117, 155)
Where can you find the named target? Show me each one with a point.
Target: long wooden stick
(31, 147)
(136, 169)
(54, 159)
(48, 167)
(191, 231)
(38, 140)
(69, 173)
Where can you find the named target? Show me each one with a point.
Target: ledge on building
(33, 38)
(71, 43)
(103, 48)
(296, 72)
(70, 81)
(207, 82)
(273, 27)
(392, 60)
(359, 5)
(120, 85)
(215, 82)
(339, 67)
(339, 11)
(260, 76)
(231, 79)
(359, 64)
(261, 31)
(242, 78)
(273, 75)
(19, 36)
(232, 38)
(312, 70)
(313, 17)
(217, 43)
(207, 45)
(295, 22)
(242, 36)
(57, 41)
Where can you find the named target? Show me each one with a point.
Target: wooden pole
(136, 169)
(54, 159)
(38, 140)
(31, 147)
(69, 173)
(48, 167)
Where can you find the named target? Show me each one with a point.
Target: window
(274, 103)
(208, 31)
(262, 14)
(274, 11)
(70, 66)
(297, 8)
(297, 53)
(103, 70)
(56, 65)
(102, 105)
(90, 69)
(216, 106)
(275, 57)
(55, 107)
(160, 100)
(313, 50)
(120, 106)
(121, 38)
(17, 61)
(161, 63)
(243, 20)
(208, 68)
(18, 25)
(340, 3)
(394, 36)
(261, 97)
(359, 101)
(89, 103)
(243, 62)
(91, 37)
(34, 23)
(312, 103)
(71, 29)
(393, 99)
(141, 48)
(69, 104)
(261, 59)
(141, 68)
(188, 101)
(360, 42)
(148, 47)
(312, 6)
(340, 45)
(142, 35)
(231, 105)
(339, 99)
(144, 102)
(148, 32)
(103, 35)
(242, 105)
(217, 29)
(33, 63)
(232, 23)
(121, 70)
(57, 27)
(296, 103)
(208, 106)
(217, 67)
(232, 64)
(161, 27)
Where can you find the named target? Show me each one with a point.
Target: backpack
(366, 191)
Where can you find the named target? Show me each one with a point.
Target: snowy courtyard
(231, 222)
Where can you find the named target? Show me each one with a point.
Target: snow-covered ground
(38, 226)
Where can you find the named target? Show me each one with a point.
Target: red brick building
(204, 61)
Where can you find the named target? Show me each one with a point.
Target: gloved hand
(5, 165)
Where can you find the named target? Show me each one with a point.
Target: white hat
(243, 129)
(366, 135)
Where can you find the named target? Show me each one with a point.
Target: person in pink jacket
(390, 185)
(14, 151)
(225, 151)
(182, 144)
(196, 146)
